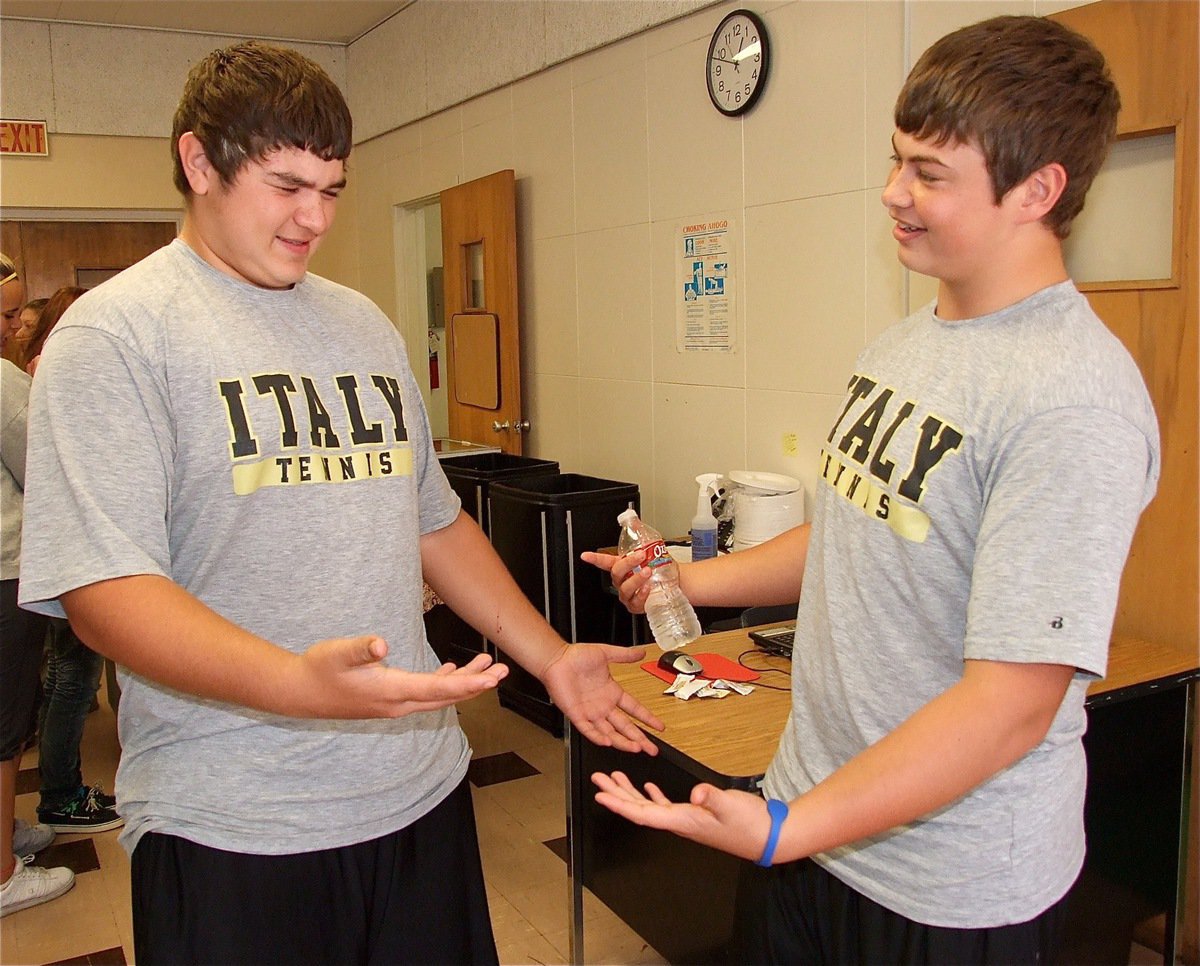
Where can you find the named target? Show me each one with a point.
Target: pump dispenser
(704, 524)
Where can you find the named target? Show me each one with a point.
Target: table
(679, 895)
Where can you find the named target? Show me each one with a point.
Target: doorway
(53, 254)
(418, 233)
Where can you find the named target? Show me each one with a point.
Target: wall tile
(542, 156)
(442, 125)
(695, 153)
(616, 434)
(26, 78)
(487, 107)
(785, 432)
(614, 303)
(810, 118)
(480, 45)
(386, 71)
(441, 165)
(488, 148)
(400, 181)
(804, 293)
(544, 85)
(610, 147)
(93, 98)
(552, 408)
(695, 368)
(550, 321)
(922, 289)
(697, 429)
(884, 74)
(687, 30)
(883, 275)
(623, 61)
(575, 26)
(931, 19)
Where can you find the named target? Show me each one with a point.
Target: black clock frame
(764, 43)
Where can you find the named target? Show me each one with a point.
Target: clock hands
(751, 51)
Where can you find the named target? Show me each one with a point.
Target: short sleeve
(98, 473)
(1062, 501)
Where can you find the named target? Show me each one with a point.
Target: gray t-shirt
(978, 495)
(269, 452)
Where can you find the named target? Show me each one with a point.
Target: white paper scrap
(690, 688)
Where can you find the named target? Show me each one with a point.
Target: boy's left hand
(581, 686)
(732, 821)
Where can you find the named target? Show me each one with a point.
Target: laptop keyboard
(775, 640)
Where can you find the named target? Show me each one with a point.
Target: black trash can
(539, 527)
(471, 477)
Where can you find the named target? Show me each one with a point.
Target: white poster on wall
(705, 316)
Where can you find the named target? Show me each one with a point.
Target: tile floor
(517, 781)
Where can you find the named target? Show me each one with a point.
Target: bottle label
(704, 544)
(651, 555)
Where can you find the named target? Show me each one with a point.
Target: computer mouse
(679, 663)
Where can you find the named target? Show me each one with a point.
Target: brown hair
(244, 101)
(56, 305)
(1027, 92)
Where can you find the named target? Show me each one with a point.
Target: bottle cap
(626, 516)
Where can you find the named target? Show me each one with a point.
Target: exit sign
(24, 137)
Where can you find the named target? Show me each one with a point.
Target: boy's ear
(198, 170)
(1039, 193)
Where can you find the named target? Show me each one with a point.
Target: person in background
(977, 496)
(233, 494)
(72, 674)
(21, 640)
(12, 297)
(29, 317)
(32, 338)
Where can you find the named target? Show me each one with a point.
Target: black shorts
(798, 912)
(22, 642)
(414, 896)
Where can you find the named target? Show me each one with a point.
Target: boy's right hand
(632, 586)
(345, 678)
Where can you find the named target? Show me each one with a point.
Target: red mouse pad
(715, 666)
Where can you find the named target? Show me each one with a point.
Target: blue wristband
(778, 811)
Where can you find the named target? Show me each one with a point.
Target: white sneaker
(31, 886)
(30, 839)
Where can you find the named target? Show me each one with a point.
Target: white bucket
(760, 513)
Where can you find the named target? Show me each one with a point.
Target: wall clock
(738, 56)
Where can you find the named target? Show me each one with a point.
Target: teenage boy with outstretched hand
(978, 492)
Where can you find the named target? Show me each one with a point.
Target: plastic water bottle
(672, 619)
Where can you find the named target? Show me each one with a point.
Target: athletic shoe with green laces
(84, 813)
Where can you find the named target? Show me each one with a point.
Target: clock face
(737, 63)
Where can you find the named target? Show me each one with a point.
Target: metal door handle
(520, 426)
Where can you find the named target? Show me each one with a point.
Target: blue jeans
(72, 677)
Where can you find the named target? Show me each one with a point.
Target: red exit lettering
(23, 137)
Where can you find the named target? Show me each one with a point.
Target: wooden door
(1151, 48)
(483, 346)
(51, 254)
